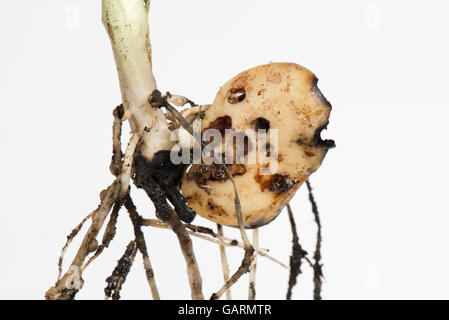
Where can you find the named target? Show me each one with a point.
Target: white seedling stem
(126, 22)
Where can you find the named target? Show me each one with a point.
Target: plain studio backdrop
(382, 193)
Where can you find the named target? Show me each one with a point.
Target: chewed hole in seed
(261, 124)
(221, 124)
(236, 95)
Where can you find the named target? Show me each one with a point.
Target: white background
(382, 192)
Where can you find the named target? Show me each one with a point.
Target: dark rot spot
(310, 154)
(262, 124)
(221, 124)
(210, 205)
(236, 95)
(237, 169)
(201, 174)
(278, 183)
(319, 142)
(317, 92)
(193, 197)
(160, 179)
(215, 208)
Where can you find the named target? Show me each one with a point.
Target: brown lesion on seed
(221, 124)
(242, 81)
(280, 183)
(316, 140)
(277, 183)
(309, 154)
(308, 149)
(237, 169)
(202, 174)
(275, 78)
(216, 208)
(193, 197)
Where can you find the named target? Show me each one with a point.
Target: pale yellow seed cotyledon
(281, 97)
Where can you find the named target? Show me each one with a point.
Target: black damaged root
(160, 179)
(118, 276)
(298, 254)
(317, 266)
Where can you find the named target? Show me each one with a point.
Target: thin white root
(194, 111)
(215, 238)
(190, 114)
(108, 198)
(177, 100)
(249, 250)
(125, 177)
(185, 243)
(238, 211)
(224, 262)
(69, 241)
(150, 279)
(142, 245)
(253, 268)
